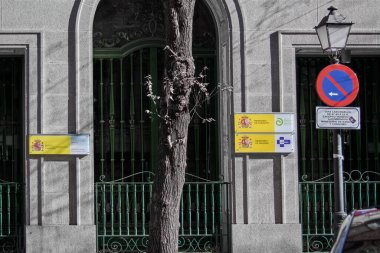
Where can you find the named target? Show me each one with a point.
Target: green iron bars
(10, 217)
(124, 134)
(123, 216)
(126, 137)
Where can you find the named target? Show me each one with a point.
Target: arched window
(128, 41)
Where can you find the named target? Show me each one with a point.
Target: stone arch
(87, 10)
(227, 20)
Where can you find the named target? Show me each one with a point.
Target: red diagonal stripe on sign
(337, 85)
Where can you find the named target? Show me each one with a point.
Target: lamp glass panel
(323, 38)
(338, 35)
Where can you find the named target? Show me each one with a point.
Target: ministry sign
(264, 122)
(338, 118)
(264, 143)
(264, 132)
(66, 144)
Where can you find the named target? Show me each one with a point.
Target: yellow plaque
(257, 123)
(49, 144)
(255, 143)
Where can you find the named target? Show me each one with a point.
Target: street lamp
(333, 33)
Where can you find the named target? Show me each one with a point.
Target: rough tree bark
(175, 114)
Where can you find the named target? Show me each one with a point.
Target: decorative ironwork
(352, 176)
(118, 22)
(120, 244)
(359, 176)
(318, 243)
(149, 178)
(124, 244)
(9, 244)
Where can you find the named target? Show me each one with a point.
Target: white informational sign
(284, 143)
(284, 122)
(80, 144)
(338, 118)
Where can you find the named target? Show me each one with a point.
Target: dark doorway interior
(11, 114)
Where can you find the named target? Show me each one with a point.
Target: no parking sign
(337, 85)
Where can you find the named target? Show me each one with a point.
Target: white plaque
(284, 122)
(284, 143)
(80, 144)
(338, 118)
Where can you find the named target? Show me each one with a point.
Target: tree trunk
(175, 114)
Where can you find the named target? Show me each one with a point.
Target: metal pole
(339, 213)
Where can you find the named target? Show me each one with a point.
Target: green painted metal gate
(126, 141)
(123, 216)
(10, 153)
(361, 152)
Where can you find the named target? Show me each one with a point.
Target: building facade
(78, 67)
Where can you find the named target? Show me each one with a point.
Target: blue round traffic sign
(337, 85)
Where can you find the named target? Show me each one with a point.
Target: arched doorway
(128, 42)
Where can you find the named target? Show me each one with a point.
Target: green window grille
(361, 151)
(126, 137)
(10, 153)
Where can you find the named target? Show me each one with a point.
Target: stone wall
(258, 42)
